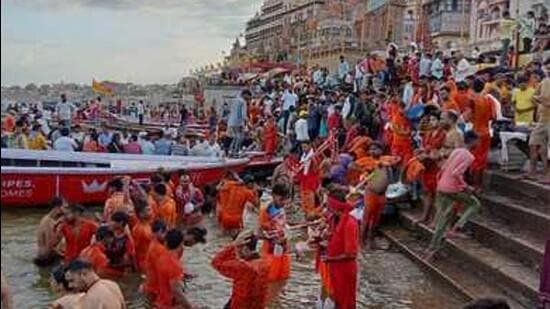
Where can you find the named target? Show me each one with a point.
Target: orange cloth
(77, 237)
(359, 146)
(401, 141)
(254, 113)
(167, 211)
(250, 287)
(96, 255)
(169, 270)
(463, 99)
(432, 141)
(413, 170)
(9, 123)
(151, 285)
(450, 104)
(231, 200)
(483, 112)
(142, 236)
(279, 269)
(115, 203)
(307, 200)
(270, 134)
(374, 205)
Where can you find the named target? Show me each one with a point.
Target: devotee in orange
(359, 146)
(482, 114)
(462, 96)
(270, 136)
(156, 249)
(142, 233)
(241, 263)
(170, 273)
(342, 253)
(119, 199)
(165, 205)
(401, 144)
(275, 248)
(447, 101)
(96, 253)
(8, 125)
(375, 196)
(76, 231)
(429, 155)
(233, 196)
(121, 250)
(309, 179)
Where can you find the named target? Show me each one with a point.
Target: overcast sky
(143, 41)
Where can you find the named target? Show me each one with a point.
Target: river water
(387, 278)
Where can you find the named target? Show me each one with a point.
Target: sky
(140, 41)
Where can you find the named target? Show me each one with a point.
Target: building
(384, 21)
(263, 32)
(486, 16)
(447, 22)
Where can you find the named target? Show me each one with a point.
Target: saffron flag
(101, 88)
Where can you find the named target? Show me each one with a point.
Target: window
(454, 5)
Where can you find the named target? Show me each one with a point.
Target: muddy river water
(387, 278)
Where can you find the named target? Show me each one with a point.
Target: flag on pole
(101, 88)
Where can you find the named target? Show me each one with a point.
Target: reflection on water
(387, 279)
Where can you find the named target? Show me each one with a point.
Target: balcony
(449, 22)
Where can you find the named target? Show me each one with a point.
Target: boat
(261, 164)
(34, 177)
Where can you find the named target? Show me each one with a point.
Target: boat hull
(34, 186)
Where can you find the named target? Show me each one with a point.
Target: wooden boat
(261, 164)
(34, 177)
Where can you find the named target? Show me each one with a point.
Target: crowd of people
(422, 123)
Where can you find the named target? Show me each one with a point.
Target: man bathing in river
(47, 234)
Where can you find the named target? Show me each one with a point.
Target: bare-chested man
(454, 138)
(48, 238)
(98, 293)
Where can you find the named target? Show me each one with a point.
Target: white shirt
(462, 70)
(140, 109)
(289, 99)
(65, 110)
(408, 93)
(65, 143)
(301, 130)
(346, 109)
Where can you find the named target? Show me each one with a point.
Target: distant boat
(34, 177)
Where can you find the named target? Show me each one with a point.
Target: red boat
(34, 177)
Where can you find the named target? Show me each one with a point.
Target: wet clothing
(250, 287)
(77, 237)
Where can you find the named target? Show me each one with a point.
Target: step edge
(532, 289)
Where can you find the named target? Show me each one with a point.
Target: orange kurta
(401, 141)
(142, 236)
(96, 255)
(450, 104)
(432, 141)
(167, 211)
(463, 99)
(270, 140)
(77, 238)
(169, 270)
(151, 285)
(359, 146)
(483, 113)
(231, 200)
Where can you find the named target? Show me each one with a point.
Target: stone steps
(502, 273)
(502, 238)
(516, 216)
(451, 271)
(527, 193)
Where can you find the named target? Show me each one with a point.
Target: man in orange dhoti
(483, 112)
(401, 140)
(342, 253)
(270, 136)
(429, 155)
(275, 245)
(309, 179)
